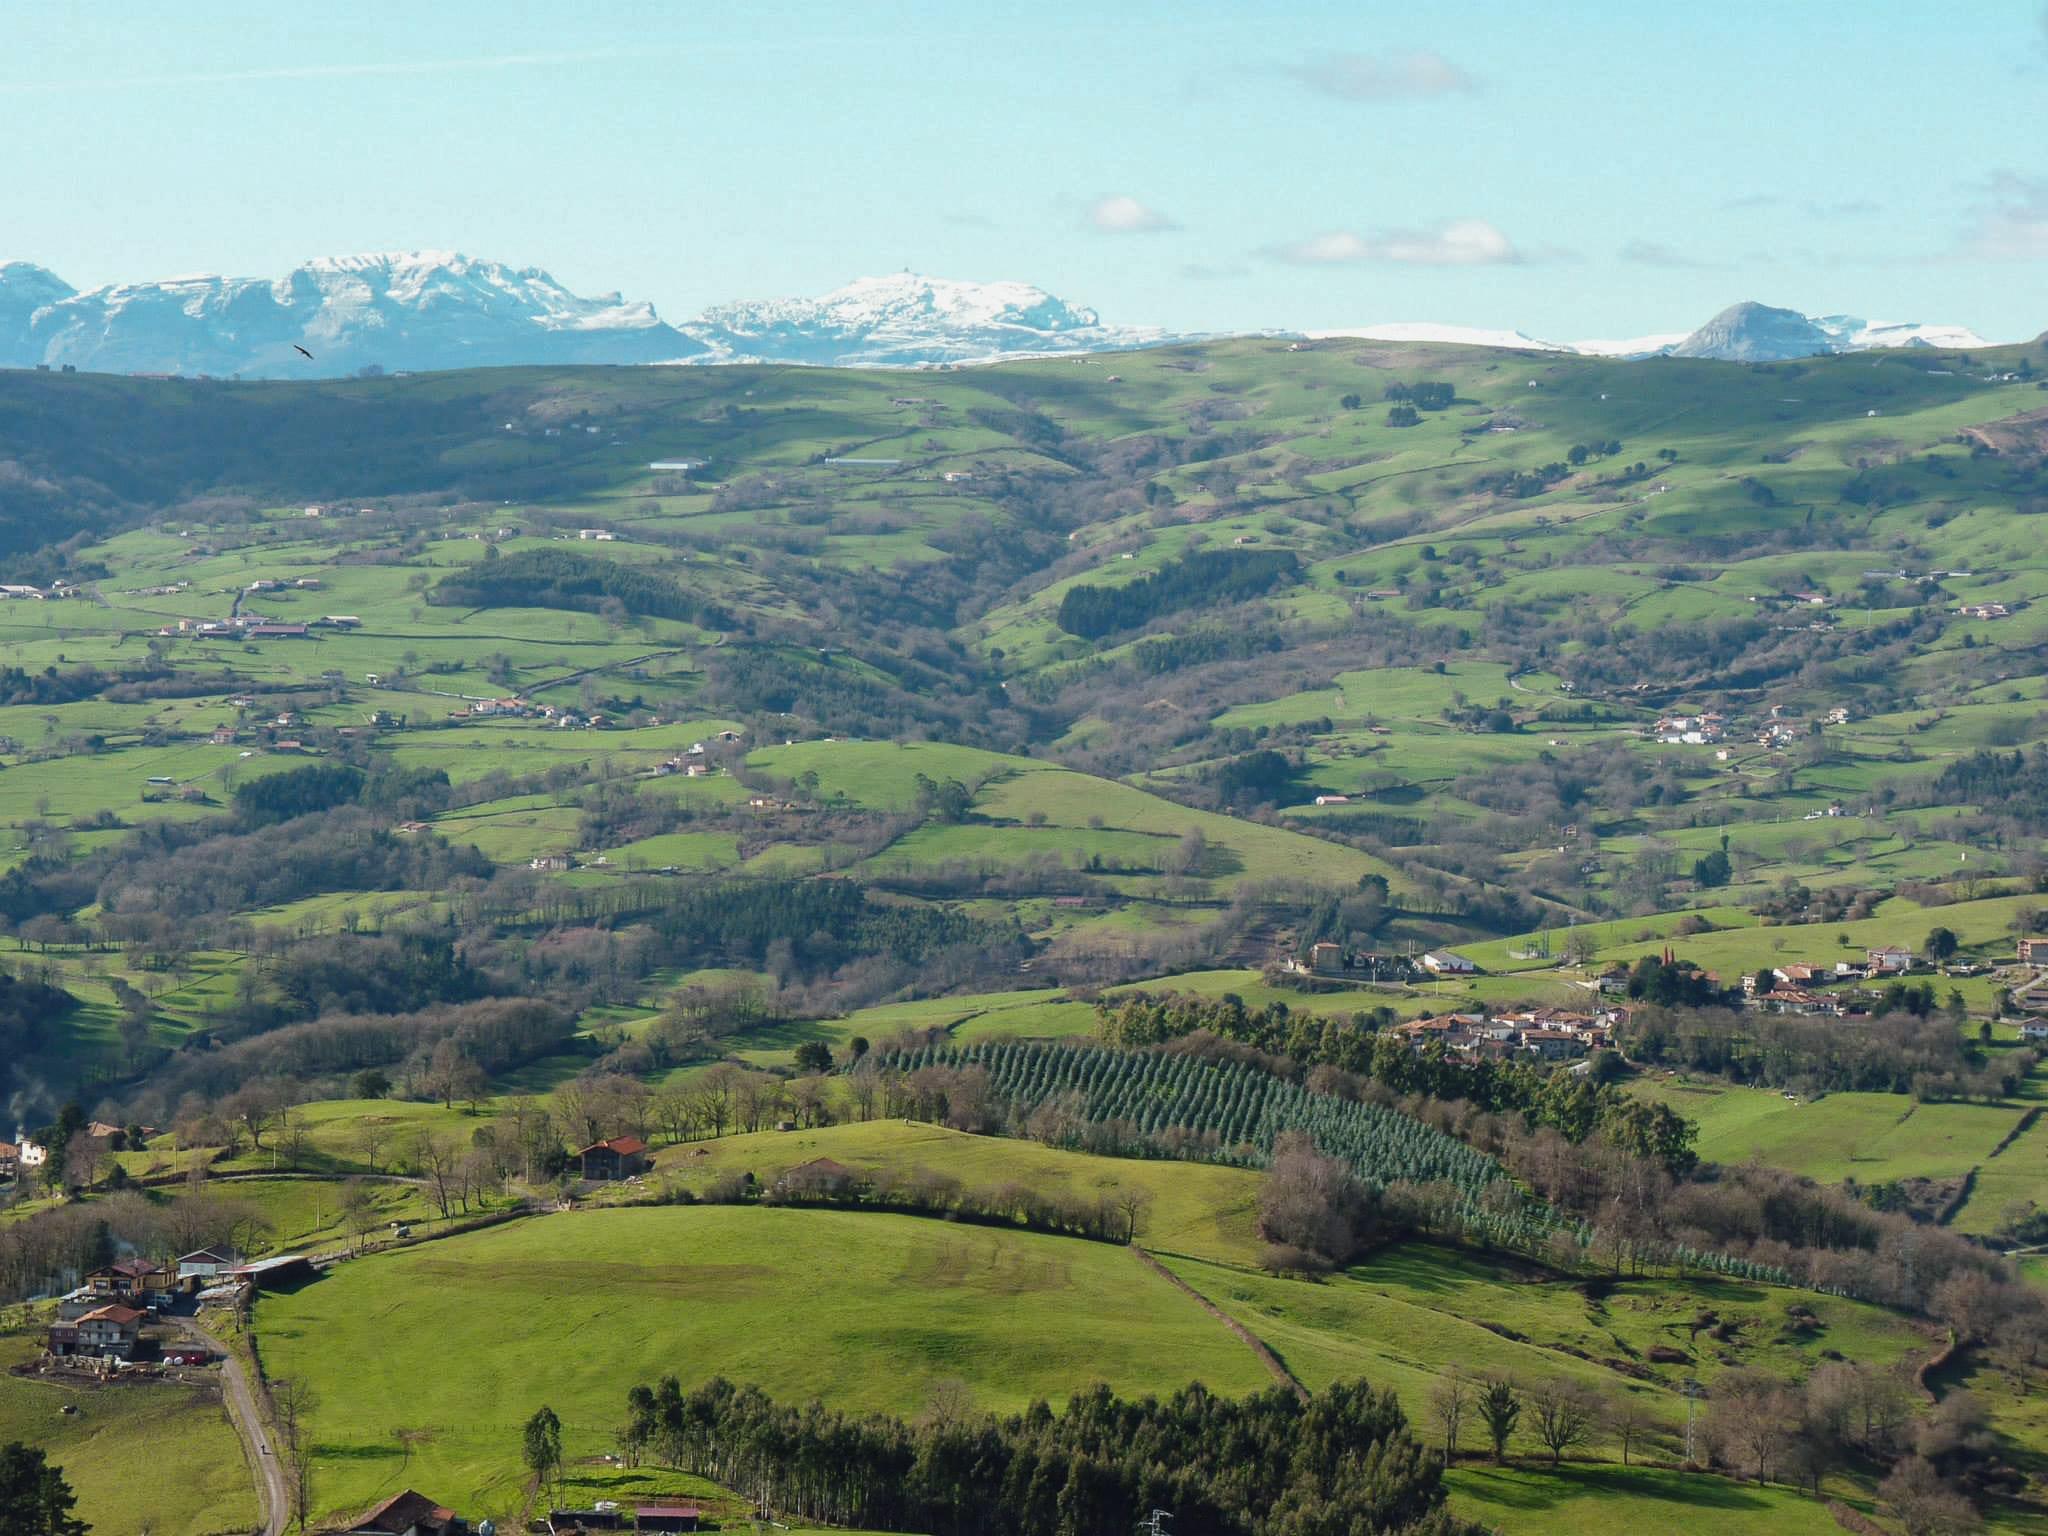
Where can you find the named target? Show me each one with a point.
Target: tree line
(1271, 1464)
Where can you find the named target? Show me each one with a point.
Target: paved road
(272, 1497)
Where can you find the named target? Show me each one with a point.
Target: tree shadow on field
(1542, 1487)
(784, 1034)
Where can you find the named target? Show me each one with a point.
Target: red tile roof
(625, 1146)
(120, 1315)
(402, 1511)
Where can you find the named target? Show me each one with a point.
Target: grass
(1604, 1500)
(571, 1310)
(1870, 1137)
(137, 1453)
(1197, 1208)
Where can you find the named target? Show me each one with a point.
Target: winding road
(272, 1496)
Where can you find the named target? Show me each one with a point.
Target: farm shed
(622, 1157)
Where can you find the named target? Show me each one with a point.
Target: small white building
(1448, 962)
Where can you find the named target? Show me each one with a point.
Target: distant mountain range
(1741, 333)
(439, 309)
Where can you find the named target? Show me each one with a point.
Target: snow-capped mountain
(1454, 335)
(440, 309)
(1757, 333)
(418, 310)
(907, 319)
(1747, 333)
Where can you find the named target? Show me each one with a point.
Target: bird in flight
(302, 352)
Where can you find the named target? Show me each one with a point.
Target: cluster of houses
(1691, 730)
(1546, 1034)
(23, 592)
(257, 626)
(695, 761)
(103, 1319)
(1328, 958)
(1710, 728)
(1791, 988)
(1984, 611)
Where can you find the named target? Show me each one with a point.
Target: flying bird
(302, 352)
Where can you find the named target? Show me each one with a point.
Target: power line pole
(1693, 1393)
(1154, 1524)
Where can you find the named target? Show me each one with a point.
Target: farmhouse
(2034, 1029)
(203, 1266)
(110, 1330)
(2034, 951)
(409, 1514)
(1889, 961)
(622, 1157)
(129, 1278)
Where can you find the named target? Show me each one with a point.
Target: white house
(1446, 962)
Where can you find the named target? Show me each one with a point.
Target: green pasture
(571, 1310)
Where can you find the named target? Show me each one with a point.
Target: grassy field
(1197, 1208)
(1869, 1137)
(572, 1310)
(138, 1455)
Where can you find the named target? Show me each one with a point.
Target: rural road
(272, 1497)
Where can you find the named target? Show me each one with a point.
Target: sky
(1583, 168)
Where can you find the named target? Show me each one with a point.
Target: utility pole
(1154, 1524)
(1693, 1393)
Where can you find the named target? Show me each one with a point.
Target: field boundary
(1252, 1341)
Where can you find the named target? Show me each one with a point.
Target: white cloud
(1383, 77)
(1122, 215)
(1457, 243)
(2013, 224)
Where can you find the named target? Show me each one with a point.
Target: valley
(1269, 862)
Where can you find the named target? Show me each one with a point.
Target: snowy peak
(907, 319)
(432, 309)
(1453, 335)
(394, 310)
(1757, 333)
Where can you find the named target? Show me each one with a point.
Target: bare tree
(1565, 1412)
(1628, 1421)
(715, 1097)
(373, 1133)
(434, 1160)
(358, 1212)
(1751, 1421)
(1923, 1503)
(292, 1401)
(1449, 1400)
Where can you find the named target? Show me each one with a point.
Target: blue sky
(1583, 168)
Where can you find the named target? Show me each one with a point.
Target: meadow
(140, 1456)
(572, 1310)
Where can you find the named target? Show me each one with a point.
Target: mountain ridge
(436, 309)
